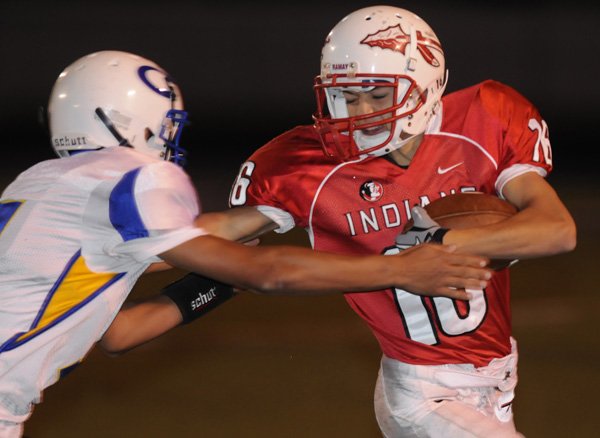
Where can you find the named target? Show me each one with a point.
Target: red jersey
(484, 136)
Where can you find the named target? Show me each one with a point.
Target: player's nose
(365, 107)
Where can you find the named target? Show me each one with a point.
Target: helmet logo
(394, 38)
(166, 90)
(371, 191)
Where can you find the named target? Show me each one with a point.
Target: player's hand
(436, 270)
(424, 230)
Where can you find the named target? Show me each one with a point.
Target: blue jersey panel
(123, 211)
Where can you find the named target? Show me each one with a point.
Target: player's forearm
(138, 323)
(526, 235)
(430, 270)
(269, 269)
(293, 270)
(299, 271)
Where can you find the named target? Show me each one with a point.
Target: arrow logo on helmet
(394, 38)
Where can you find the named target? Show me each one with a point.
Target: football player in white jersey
(77, 232)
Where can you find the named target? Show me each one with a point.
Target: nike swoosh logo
(448, 169)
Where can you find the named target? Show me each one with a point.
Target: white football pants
(449, 401)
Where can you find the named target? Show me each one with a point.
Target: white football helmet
(114, 98)
(379, 46)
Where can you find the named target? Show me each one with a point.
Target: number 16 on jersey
(423, 324)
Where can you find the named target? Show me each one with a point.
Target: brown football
(467, 210)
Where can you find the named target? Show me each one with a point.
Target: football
(467, 210)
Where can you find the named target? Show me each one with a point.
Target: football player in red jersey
(392, 144)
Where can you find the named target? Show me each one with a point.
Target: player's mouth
(375, 130)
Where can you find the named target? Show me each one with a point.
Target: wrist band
(438, 236)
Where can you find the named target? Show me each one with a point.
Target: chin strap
(111, 127)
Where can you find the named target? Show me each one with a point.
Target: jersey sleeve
(254, 187)
(524, 146)
(280, 178)
(149, 210)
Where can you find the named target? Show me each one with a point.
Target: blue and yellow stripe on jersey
(76, 286)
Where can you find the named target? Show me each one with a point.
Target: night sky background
(246, 69)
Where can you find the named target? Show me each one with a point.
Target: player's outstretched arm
(426, 270)
(287, 270)
(182, 301)
(241, 222)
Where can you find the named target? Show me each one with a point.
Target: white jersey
(75, 235)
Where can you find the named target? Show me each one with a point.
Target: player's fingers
(474, 273)
(465, 259)
(468, 277)
(468, 283)
(456, 294)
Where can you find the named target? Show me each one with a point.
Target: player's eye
(381, 93)
(351, 98)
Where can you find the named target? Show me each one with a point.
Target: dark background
(246, 69)
(305, 367)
